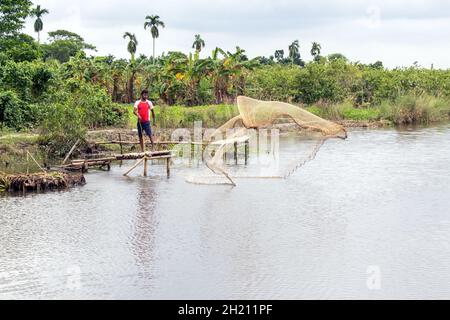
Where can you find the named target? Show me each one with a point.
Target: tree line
(41, 82)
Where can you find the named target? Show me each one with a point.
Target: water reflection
(145, 226)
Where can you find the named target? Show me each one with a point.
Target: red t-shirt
(144, 108)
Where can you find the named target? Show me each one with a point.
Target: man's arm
(135, 111)
(154, 117)
(152, 107)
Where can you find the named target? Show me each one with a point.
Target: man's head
(144, 94)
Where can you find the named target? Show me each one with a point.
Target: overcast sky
(397, 32)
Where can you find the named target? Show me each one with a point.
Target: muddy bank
(39, 182)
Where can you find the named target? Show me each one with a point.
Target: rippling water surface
(379, 199)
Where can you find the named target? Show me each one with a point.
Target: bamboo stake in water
(145, 166)
(71, 151)
(135, 166)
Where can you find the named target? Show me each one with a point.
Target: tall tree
(279, 55)
(294, 51)
(12, 16)
(63, 45)
(154, 22)
(132, 44)
(198, 44)
(38, 13)
(337, 56)
(316, 50)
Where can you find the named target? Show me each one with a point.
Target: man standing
(142, 110)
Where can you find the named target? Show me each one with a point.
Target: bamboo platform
(104, 163)
(158, 143)
(84, 165)
(243, 140)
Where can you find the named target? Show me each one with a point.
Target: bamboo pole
(42, 169)
(134, 167)
(145, 166)
(168, 167)
(71, 151)
(147, 143)
(129, 156)
(247, 151)
(120, 142)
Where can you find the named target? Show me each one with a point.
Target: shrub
(94, 103)
(275, 82)
(62, 127)
(8, 104)
(17, 114)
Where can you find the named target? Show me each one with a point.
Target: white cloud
(396, 32)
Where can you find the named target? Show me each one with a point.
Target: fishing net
(255, 115)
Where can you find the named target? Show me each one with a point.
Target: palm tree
(132, 44)
(153, 22)
(316, 50)
(38, 13)
(294, 50)
(198, 44)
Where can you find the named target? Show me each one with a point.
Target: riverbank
(402, 111)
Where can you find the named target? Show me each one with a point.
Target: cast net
(255, 115)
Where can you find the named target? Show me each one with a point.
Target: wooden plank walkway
(104, 162)
(83, 165)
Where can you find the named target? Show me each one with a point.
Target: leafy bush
(93, 102)
(275, 82)
(8, 104)
(17, 77)
(18, 114)
(29, 80)
(62, 127)
(331, 82)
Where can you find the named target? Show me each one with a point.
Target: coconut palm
(153, 22)
(132, 44)
(316, 50)
(198, 44)
(294, 51)
(38, 13)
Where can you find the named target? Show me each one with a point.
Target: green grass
(13, 151)
(423, 109)
(345, 111)
(180, 116)
(406, 109)
(14, 138)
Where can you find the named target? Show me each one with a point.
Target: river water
(369, 218)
